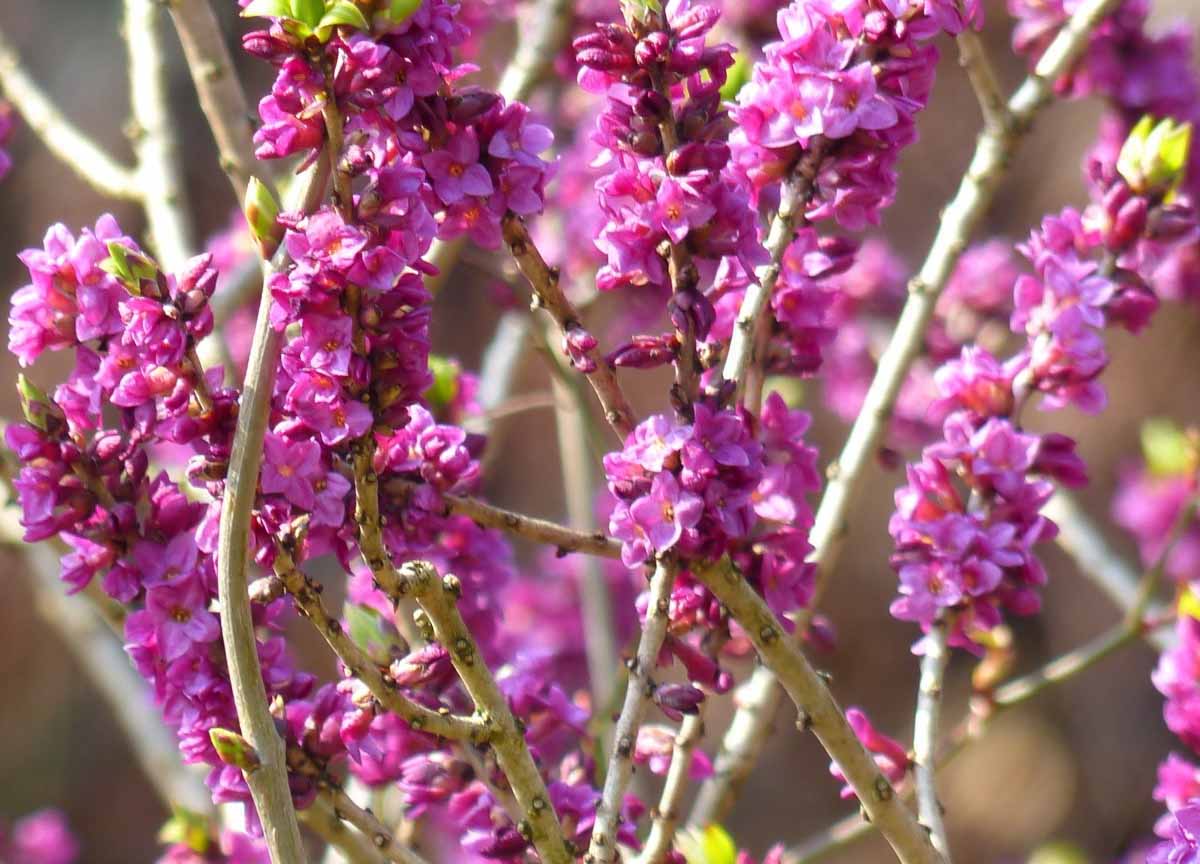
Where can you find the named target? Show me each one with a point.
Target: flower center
(181, 615)
(668, 512)
(456, 170)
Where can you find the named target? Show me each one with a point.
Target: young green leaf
(402, 10)
(308, 12)
(341, 13)
(268, 9)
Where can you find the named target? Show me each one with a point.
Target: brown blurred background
(1076, 764)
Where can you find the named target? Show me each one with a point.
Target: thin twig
(759, 698)
(437, 598)
(599, 633)
(154, 139)
(522, 403)
(346, 808)
(501, 357)
(269, 783)
(561, 537)
(62, 138)
(925, 735)
(972, 56)
(820, 713)
(382, 838)
(222, 98)
(603, 846)
(307, 596)
(548, 294)
(352, 847)
(795, 194)
(1080, 538)
(550, 21)
(666, 814)
(986, 710)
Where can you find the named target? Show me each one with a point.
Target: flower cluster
(1177, 677)
(86, 473)
(969, 547)
(855, 77)
(967, 550)
(1139, 73)
(704, 489)
(684, 487)
(465, 155)
(663, 137)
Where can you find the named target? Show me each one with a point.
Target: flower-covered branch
(704, 203)
(758, 699)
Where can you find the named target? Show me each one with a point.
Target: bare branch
(925, 734)
(666, 815)
(819, 712)
(548, 294)
(307, 597)
(352, 847)
(269, 783)
(343, 807)
(221, 95)
(154, 139)
(530, 527)
(973, 58)
(599, 632)
(603, 847)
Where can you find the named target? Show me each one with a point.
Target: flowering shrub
(213, 478)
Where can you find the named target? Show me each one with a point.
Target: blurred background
(1076, 764)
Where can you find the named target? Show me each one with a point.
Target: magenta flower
(290, 468)
(455, 169)
(664, 514)
(1182, 843)
(176, 616)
